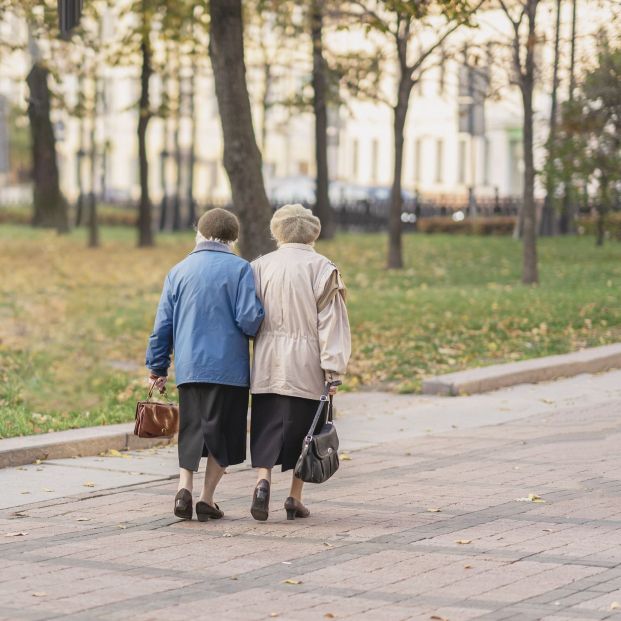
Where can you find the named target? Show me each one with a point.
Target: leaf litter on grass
(457, 304)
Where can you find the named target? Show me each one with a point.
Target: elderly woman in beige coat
(304, 341)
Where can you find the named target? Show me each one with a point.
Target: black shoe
(205, 511)
(261, 501)
(294, 508)
(183, 504)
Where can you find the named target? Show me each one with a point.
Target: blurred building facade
(463, 133)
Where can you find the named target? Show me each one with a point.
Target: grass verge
(74, 321)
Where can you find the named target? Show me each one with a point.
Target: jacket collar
(298, 246)
(212, 245)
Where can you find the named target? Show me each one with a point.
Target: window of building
(461, 164)
(354, 159)
(486, 160)
(418, 152)
(439, 160)
(374, 160)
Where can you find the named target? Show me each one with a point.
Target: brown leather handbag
(155, 419)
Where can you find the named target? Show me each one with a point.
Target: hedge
(498, 225)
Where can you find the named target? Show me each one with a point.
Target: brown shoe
(183, 504)
(295, 508)
(261, 501)
(205, 511)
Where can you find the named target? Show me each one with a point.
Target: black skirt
(278, 425)
(212, 421)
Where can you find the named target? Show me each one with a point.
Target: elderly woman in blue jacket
(207, 313)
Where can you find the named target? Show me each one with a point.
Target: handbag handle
(322, 401)
(152, 388)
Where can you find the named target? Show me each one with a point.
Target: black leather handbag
(319, 459)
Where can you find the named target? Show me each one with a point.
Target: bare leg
(186, 478)
(213, 474)
(264, 473)
(296, 488)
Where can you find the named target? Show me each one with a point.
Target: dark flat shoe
(261, 501)
(205, 511)
(183, 504)
(295, 508)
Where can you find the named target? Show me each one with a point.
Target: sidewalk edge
(495, 377)
(73, 443)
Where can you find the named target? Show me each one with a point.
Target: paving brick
(371, 548)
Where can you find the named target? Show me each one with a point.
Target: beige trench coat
(305, 335)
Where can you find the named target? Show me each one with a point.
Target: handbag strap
(322, 402)
(152, 388)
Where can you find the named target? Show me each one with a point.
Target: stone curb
(82, 442)
(87, 441)
(486, 379)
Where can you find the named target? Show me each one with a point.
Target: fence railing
(358, 215)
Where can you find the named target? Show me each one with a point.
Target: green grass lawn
(74, 322)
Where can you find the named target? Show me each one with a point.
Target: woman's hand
(159, 381)
(334, 382)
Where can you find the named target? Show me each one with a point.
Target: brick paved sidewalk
(375, 547)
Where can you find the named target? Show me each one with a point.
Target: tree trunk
(568, 218)
(145, 228)
(395, 253)
(602, 211)
(93, 226)
(547, 217)
(242, 158)
(50, 206)
(529, 269)
(192, 154)
(79, 158)
(323, 209)
(176, 223)
(530, 273)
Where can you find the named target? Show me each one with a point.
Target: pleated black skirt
(212, 421)
(278, 425)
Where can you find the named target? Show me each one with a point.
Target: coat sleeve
(160, 344)
(249, 312)
(333, 328)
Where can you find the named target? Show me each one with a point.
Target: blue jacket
(207, 313)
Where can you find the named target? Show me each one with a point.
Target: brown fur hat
(295, 224)
(219, 224)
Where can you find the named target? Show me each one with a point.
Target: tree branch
(439, 42)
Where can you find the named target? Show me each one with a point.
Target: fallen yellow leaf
(292, 581)
(434, 510)
(16, 534)
(615, 606)
(344, 457)
(88, 484)
(39, 594)
(463, 542)
(530, 498)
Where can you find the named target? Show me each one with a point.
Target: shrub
(15, 215)
(107, 215)
(498, 225)
(588, 224)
